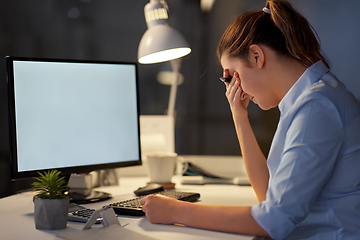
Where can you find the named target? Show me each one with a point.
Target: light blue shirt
(314, 162)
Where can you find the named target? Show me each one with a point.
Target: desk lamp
(162, 43)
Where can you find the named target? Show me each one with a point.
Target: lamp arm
(175, 64)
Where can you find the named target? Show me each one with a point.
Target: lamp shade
(161, 43)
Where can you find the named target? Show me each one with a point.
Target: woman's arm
(160, 209)
(254, 159)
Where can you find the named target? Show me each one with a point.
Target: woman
(309, 187)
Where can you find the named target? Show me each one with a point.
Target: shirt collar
(310, 76)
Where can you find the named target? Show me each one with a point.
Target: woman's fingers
(233, 88)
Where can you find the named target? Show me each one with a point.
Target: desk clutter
(196, 175)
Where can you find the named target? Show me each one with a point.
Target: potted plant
(51, 202)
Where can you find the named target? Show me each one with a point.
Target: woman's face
(253, 82)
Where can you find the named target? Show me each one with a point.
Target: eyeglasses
(224, 79)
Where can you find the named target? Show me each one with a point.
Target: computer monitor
(72, 115)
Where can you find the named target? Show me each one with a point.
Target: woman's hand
(237, 98)
(160, 209)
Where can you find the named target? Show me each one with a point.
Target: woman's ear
(256, 55)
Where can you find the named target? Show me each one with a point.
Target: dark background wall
(112, 29)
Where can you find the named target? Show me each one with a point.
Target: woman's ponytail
(301, 38)
(279, 27)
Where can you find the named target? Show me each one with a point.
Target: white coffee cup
(161, 166)
(181, 166)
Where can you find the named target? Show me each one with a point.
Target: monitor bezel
(15, 174)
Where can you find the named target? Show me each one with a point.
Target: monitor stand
(88, 196)
(83, 193)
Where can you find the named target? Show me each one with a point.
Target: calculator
(79, 213)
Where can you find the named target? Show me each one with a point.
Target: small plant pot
(51, 214)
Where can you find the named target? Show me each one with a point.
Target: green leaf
(50, 185)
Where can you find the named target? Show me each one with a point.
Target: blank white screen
(74, 114)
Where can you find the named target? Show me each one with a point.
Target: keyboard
(79, 213)
(132, 207)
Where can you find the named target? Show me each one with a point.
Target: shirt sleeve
(311, 145)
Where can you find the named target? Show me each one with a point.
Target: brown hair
(284, 30)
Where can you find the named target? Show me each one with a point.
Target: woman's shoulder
(330, 93)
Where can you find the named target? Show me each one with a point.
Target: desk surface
(17, 219)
